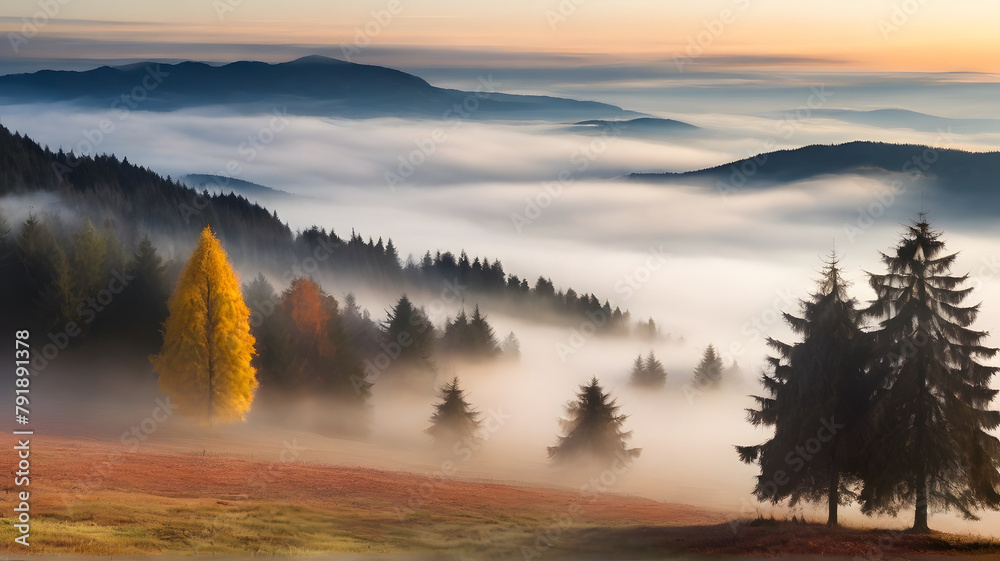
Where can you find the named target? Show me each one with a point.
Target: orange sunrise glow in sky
(847, 35)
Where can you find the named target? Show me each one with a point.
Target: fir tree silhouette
(648, 372)
(592, 430)
(708, 373)
(930, 444)
(818, 395)
(453, 419)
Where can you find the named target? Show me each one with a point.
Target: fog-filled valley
(710, 262)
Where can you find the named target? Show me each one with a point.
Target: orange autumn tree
(310, 312)
(204, 365)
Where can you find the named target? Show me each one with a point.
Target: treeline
(82, 282)
(134, 201)
(378, 262)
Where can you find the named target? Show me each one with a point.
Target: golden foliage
(207, 346)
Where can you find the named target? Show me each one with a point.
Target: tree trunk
(920, 509)
(210, 390)
(920, 513)
(833, 497)
(920, 428)
(210, 332)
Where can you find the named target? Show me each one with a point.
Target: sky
(848, 35)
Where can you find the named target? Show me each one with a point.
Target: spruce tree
(457, 337)
(510, 348)
(817, 399)
(453, 419)
(638, 374)
(930, 444)
(733, 372)
(654, 369)
(88, 259)
(362, 332)
(708, 373)
(5, 230)
(592, 430)
(144, 300)
(484, 341)
(409, 336)
(648, 372)
(275, 353)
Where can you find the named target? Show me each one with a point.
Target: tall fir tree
(930, 445)
(510, 347)
(362, 332)
(207, 346)
(89, 254)
(144, 299)
(271, 333)
(818, 397)
(648, 372)
(592, 430)
(457, 337)
(454, 419)
(484, 341)
(409, 337)
(708, 373)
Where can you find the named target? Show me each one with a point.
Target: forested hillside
(106, 206)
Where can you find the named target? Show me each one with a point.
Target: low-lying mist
(708, 268)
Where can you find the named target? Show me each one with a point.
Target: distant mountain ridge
(862, 157)
(312, 85)
(642, 127)
(894, 118)
(223, 184)
(969, 181)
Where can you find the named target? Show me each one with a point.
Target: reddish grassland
(86, 498)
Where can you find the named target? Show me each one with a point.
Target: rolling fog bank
(709, 268)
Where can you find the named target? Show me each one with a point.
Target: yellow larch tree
(204, 364)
